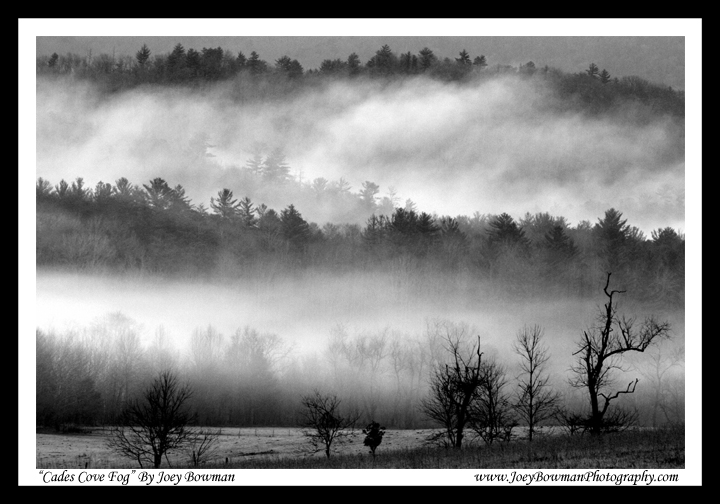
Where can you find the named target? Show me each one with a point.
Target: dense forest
(152, 228)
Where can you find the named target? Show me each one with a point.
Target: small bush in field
(373, 436)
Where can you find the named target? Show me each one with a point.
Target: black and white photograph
(399, 245)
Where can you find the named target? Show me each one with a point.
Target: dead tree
(454, 387)
(600, 352)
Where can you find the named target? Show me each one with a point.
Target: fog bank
(496, 146)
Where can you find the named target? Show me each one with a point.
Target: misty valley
(215, 252)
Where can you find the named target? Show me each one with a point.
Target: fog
(502, 145)
(304, 310)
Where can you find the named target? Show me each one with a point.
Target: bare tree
(323, 421)
(202, 444)
(571, 422)
(492, 414)
(535, 400)
(601, 350)
(663, 362)
(156, 424)
(454, 386)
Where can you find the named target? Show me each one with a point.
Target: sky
(331, 147)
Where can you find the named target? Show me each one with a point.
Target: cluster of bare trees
(467, 392)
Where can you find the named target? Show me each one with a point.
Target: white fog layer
(491, 147)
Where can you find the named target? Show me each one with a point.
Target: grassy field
(288, 448)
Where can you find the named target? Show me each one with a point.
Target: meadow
(288, 448)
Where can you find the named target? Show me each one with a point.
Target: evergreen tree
(211, 63)
(102, 194)
(225, 206)
(295, 70)
(241, 60)
(406, 63)
(505, 231)
(592, 70)
(560, 244)
(464, 58)
(604, 76)
(176, 62)
(142, 55)
(61, 190)
(275, 168)
(124, 190)
(480, 61)
(426, 59)
(384, 61)
(43, 189)
(247, 212)
(293, 227)
(158, 194)
(612, 234)
(353, 63)
(192, 60)
(255, 64)
(367, 194)
(282, 64)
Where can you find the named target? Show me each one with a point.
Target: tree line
(155, 228)
(592, 90)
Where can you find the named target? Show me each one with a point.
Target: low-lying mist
(493, 146)
(305, 309)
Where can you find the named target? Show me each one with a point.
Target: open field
(287, 448)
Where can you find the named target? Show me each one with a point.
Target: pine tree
(464, 58)
(293, 227)
(480, 61)
(612, 234)
(176, 61)
(241, 60)
(353, 63)
(255, 64)
(225, 206)
(158, 194)
(427, 59)
(247, 212)
(592, 70)
(143, 55)
(505, 231)
(604, 76)
(275, 168)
